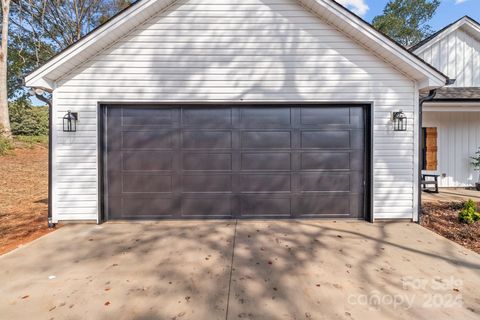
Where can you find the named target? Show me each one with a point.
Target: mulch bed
(23, 196)
(442, 218)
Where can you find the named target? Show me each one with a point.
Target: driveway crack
(231, 268)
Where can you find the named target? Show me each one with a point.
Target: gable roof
(328, 10)
(466, 23)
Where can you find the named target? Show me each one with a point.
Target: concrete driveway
(241, 270)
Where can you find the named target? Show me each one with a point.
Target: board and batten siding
(242, 51)
(458, 56)
(458, 139)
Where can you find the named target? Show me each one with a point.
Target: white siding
(226, 50)
(458, 140)
(458, 56)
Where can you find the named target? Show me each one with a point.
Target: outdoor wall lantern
(70, 121)
(399, 121)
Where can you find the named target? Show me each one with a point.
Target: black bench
(425, 182)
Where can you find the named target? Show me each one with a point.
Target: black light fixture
(70, 121)
(399, 121)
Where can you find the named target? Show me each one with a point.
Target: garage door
(190, 162)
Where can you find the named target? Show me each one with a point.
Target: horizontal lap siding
(458, 56)
(221, 50)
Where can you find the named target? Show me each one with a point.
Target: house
(246, 109)
(452, 120)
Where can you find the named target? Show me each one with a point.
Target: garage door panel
(266, 139)
(357, 140)
(146, 207)
(262, 118)
(207, 161)
(207, 183)
(265, 183)
(332, 182)
(207, 117)
(357, 161)
(265, 206)
(147, 117)
(325, 160)
(325, 139)
(266, 161)
(195, 162)
(218, 206)
(159, 139)
(357, 119)
(320, 116)
(324, 205)
(147, 160)
(207, 139)
(146, 182)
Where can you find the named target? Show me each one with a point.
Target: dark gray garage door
(234, 162)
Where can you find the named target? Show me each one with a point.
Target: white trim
(54, 136)
(464, 22)
(339, 12)
(75, 217)
(372, 162)
(99, 165)
(330, 11)
(416, 157)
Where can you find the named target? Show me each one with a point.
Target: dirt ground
(23, 196)
(442, 218)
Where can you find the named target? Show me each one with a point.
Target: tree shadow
(280, 270)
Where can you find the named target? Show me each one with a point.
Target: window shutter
(431, 148)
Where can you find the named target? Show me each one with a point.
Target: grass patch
(5, 145)
(31, 141)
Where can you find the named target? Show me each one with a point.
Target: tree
(4, 117)
(24, 55)
(406, 21)
(41, 28)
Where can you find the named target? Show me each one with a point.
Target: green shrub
(27, 120)
(469, 212)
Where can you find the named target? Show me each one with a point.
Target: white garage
(235, 109)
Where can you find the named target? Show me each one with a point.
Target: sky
(448, 12)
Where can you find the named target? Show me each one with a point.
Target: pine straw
(23, 196)
(442, 218)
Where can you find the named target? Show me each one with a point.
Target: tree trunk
(4, 117)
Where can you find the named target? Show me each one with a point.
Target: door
(197, 162)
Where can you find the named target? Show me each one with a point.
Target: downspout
(430, 97)
(38, 93)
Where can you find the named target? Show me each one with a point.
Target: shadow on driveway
(241, 270)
